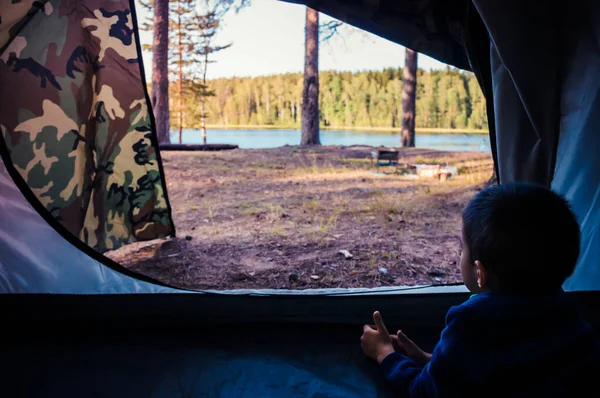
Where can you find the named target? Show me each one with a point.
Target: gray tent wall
(546, 79)
(37, 259)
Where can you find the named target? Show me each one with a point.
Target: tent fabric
(102, 331)
(432, 27)
(545, 74)
(76, 119)
(577, 170)
(35, 258)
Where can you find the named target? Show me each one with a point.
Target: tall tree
(176, 37)
(183, 21)
(206, 26)
(409, 98)
(310, 92)
(160, 70)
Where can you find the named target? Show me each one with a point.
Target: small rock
(314, 277)
(285, 216)
(193, 228)
(188, 237)
(383, 270)
(346, 253)
(437, 279)
(436, 273)
(270, 259)
(452, 262)
(293, 278)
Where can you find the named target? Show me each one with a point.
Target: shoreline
(423, 130)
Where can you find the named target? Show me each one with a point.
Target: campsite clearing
(288, 217)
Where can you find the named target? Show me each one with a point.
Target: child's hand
(409, 348)
(376, 342)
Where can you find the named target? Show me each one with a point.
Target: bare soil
(278, 218)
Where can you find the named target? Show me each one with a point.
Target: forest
(447, 99)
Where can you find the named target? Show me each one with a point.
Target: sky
(268, 39)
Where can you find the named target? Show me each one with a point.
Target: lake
(254, 139)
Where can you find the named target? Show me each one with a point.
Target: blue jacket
(497, 345)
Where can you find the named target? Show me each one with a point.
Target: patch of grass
(251, 211)
(356, 161)
(274, 212)
(311, 205)
(268, 166)
(211, 212)
(378, 193)
(277, 230)
(381, 206)
(424, 160)
(330, 222)
(341, 201)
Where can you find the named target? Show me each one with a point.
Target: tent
(81, 174)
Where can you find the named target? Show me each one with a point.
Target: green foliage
(445, 99)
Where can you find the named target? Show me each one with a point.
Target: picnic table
(391, 155)
(437, 171)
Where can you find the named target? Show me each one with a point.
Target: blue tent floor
(304, 361)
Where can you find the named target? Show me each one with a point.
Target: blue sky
(268, 38)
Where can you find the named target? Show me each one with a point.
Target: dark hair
(525, 235)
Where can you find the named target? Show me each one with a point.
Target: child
(519, 335)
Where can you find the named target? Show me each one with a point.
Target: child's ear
(481, 274)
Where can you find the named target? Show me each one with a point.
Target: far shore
(349, 128)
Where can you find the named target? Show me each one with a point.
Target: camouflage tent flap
(76, 120)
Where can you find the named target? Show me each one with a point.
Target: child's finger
(379, 322)
(402, 339)
(397, 345)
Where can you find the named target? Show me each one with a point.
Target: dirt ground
(278, 218)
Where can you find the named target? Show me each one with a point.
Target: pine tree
(159, 96)
(310, 92)
(409, 98)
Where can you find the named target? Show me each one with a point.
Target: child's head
(518, 238)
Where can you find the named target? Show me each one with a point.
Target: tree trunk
(180, 74)
(409, 98)
(203, 118)
(203, 97)
(268, 104)
(160, 70)
(310, 92)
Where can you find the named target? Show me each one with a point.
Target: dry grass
(277, 219)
